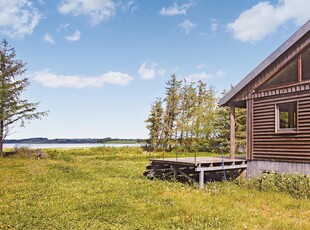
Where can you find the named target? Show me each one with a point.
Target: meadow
(104, 188)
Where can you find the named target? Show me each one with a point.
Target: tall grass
(294, 184)
(103, 188)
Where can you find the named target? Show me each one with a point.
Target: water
(67, 146)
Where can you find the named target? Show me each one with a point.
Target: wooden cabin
(276, 95)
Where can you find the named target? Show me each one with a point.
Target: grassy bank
(103, 188)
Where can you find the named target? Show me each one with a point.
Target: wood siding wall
(269, 145)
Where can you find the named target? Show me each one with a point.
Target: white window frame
(277, 118)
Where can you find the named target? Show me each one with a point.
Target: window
(286, 76)
(286, 116)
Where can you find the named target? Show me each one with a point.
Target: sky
(98, 65)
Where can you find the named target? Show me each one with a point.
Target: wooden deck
(199, 169)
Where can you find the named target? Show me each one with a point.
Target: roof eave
(262, 66)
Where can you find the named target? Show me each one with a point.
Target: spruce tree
(154, 123)
(13, 109)
(222, 126)
(172, 100)
(187, 105)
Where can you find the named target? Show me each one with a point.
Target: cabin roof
(262, 66)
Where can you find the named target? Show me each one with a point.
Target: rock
(41, 155)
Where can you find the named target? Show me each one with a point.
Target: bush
(296, 184)
(22, 151)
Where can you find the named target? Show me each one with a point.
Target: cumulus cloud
(175, 9)
(264, 18)
(18, 18)
(97, 11)
(48, 38)
(187, 26)
(149, 70)
(74, 37)
(204, 76)
(52, 80)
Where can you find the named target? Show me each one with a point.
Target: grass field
(103, 188)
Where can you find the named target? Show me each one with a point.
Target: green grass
(103, 188)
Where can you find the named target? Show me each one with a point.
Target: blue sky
(97, 65)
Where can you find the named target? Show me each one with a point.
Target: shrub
(22, 151)
(296, 184)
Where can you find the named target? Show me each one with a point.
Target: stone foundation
(257, 167)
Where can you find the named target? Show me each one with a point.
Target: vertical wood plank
(232, 132)
(299, 69)
(249, 128)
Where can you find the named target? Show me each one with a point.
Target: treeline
(189, 119)
(42, 140)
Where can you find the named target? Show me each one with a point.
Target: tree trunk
(1, 138)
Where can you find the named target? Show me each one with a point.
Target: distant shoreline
(41, 140)
(66, 145)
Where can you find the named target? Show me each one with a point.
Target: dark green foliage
(172, 100)
(192, 121)
(155, 122)
(222, 127)
(12, 108)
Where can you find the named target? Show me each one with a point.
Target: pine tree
(187, 106)
(241, 118)
(209, 113)
(12, 108)
(222, 126)
(172, 100)
(204, 115)
(154, 123)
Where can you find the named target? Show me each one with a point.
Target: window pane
(305, 57)
(287, 75)
(287, 115)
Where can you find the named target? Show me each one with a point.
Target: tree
(222, 126)
(172, 100)
(13, 110)
(186, 113)
(155, 123)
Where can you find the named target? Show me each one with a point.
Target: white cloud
(48, 38)
(220, 73)
(18, 18)
(204, 76)
(161, 72)
(148, 70)
(96, 10)
(187, 26)
(175, 9)
(52, 80)
(130, 6)
(214, 25)
(62, 27)
(201, 66)
(198, 76)
(263, 19)
(74, 37)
